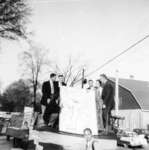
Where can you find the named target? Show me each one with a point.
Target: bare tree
(13, 18)
(33, 63)
(72, 72)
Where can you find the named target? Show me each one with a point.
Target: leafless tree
(33, 62)
(72, 72)
(13, 16)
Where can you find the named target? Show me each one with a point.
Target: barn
(133, 103)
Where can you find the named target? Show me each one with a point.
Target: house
(133, 103)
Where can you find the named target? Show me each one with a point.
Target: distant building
(133, 103)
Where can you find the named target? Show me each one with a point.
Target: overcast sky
(91, 31)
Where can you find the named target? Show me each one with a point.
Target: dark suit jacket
(108, 95)
(64, 84)
(46, 92)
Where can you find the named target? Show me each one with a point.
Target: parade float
(78, 111)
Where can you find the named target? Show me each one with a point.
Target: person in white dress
(90, 141)
(99, 105)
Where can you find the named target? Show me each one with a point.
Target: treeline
(16, 96)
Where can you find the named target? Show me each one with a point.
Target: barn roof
(139, 89)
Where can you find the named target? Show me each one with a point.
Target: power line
(118, 55)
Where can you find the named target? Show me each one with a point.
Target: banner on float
(78, 111)
(28, 114)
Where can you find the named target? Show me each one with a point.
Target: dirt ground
(7, 145)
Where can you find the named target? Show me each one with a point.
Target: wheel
(119, 144)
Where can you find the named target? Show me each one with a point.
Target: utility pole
(117, 93)
(83, 71)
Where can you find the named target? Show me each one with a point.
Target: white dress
(90, 145)
(99, 104)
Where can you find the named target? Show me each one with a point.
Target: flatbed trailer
(68, 141)
(20, 137)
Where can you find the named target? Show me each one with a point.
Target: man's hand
(43, 110)
(61, 106)
(103, 106)
(48, 100)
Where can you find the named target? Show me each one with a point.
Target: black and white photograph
(74, 75)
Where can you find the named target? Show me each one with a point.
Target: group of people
(104, 96)
(50, 102)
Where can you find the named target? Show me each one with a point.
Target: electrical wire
(117, 56)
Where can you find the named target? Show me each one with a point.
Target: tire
(119, 144)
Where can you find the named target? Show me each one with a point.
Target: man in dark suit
(50, 95)
(108, 100)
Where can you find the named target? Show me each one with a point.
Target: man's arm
(44, 95)
(44, 98)
(43, 107)
(57, 91)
